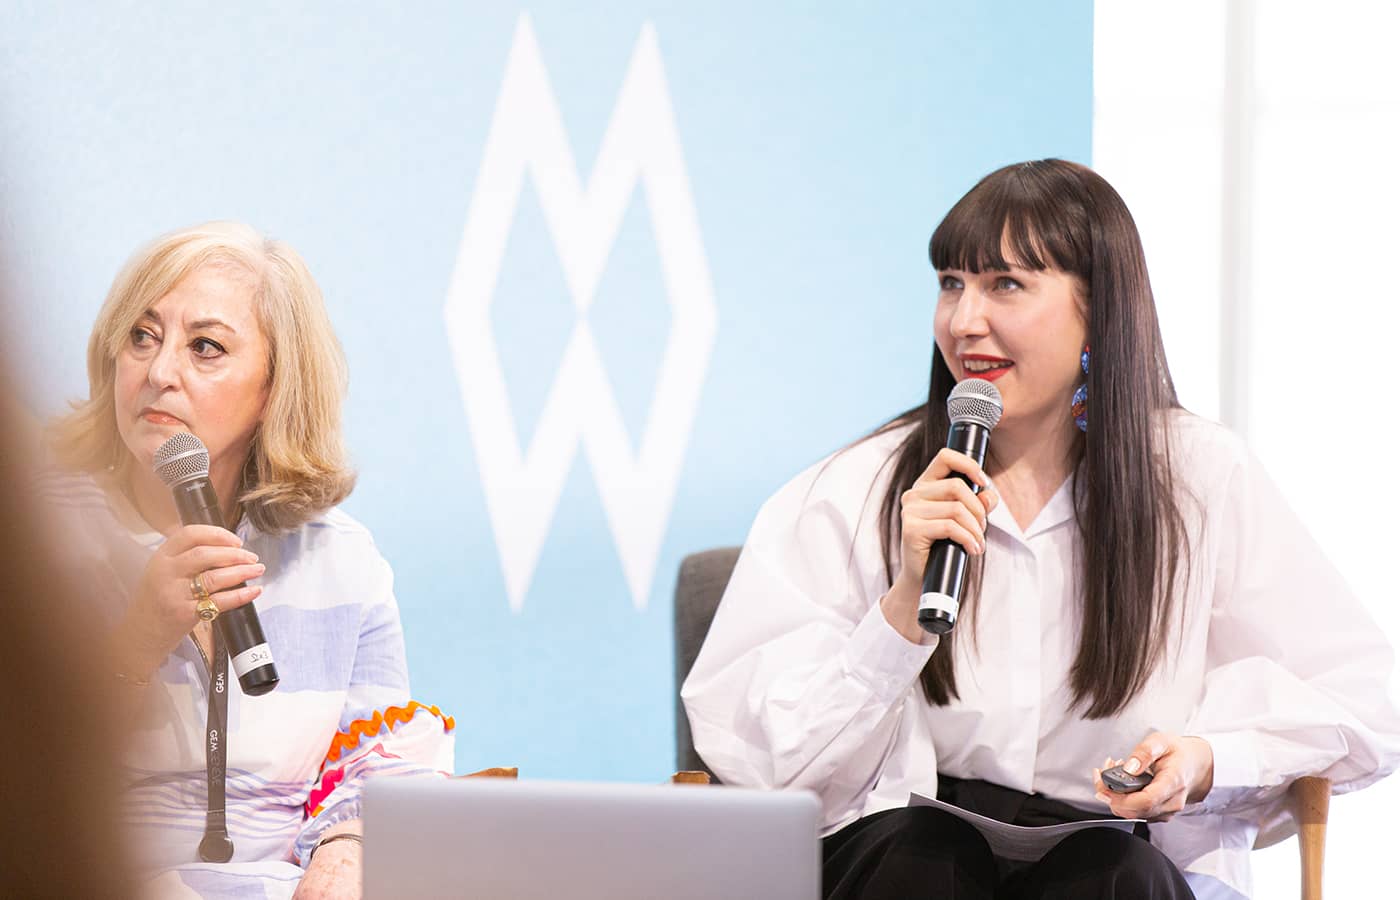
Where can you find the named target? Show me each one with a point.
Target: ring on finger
(208, 610)
(203, 604)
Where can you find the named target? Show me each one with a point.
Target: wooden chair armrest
(690, 778)
(494, 772)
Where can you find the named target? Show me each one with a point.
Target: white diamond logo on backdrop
(641, 143)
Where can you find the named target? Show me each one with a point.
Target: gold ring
(208, 610)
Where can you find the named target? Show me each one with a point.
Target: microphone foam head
(181, 458)
(975, 400)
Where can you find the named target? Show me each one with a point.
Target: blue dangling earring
(1079, 406)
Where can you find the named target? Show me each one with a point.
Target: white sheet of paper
(1019, 842)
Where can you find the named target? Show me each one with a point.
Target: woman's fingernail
(1133, 766)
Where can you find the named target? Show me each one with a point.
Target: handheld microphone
(974, 408)
(182, 462)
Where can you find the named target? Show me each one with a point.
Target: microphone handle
(249, 653)
(946, 570)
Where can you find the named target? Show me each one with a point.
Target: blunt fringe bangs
(1026, 215)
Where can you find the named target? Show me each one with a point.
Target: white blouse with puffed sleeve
(802, 683)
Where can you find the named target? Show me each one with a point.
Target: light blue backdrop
(819, 147)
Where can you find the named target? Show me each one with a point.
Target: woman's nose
(969, 318)
(164, 370)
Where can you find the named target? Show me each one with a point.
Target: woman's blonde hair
(297, 466)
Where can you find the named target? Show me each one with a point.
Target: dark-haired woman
(1139, 590)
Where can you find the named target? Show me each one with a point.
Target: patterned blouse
(298, 756)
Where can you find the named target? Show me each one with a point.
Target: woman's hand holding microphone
(939, 505)
(163, 608)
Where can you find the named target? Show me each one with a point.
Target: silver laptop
(519, 840)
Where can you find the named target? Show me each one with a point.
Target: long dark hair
(1057, 214)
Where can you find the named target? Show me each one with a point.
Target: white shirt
(802, 683)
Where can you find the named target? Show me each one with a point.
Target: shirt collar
(1058, 510)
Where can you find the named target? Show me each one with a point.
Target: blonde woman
(220, 332)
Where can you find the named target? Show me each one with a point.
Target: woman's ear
(1081, 296)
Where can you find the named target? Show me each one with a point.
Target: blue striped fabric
(330, 616)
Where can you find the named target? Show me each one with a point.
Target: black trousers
(924, 852)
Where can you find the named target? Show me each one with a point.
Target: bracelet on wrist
(346, 836)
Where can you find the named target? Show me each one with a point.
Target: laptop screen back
(520, 840)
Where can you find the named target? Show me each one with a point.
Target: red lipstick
(158, 417)
(1000, 365)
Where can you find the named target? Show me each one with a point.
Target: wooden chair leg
(1310, 798)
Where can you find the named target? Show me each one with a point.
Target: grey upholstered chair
(699, 587)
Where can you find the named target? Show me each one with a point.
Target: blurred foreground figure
(59, 779)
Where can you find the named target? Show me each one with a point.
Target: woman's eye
(1007, 283)
(141, 337)
(949, 283)
(205, 348)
